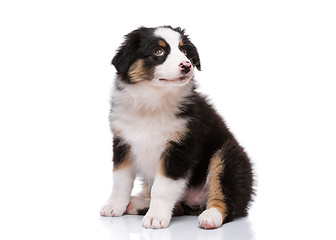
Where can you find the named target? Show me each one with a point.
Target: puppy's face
(160, 56)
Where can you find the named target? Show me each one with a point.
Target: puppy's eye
(159, 52)
(184, 51)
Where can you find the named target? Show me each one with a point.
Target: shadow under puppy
(167, 134)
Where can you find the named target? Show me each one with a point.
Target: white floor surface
(185, 227)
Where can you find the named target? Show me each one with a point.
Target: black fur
(207, 134)
(128, 51)
(237, 180)
(120, 150)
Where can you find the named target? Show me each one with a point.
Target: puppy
(169, 136)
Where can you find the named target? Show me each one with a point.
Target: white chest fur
(146, 119)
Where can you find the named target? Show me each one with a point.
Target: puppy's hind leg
(216, 209)
(138, 206)
(230, 186)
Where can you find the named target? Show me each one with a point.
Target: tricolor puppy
(169, 136)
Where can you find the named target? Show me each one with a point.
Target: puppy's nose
(185, 67)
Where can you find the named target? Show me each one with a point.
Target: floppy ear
(125, 54)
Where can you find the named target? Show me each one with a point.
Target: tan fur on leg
(216, 198)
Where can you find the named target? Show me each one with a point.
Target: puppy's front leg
(123, 180)
(165, 193)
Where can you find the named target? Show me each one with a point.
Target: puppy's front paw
(210, 219)
(113, 209)
(156, 220)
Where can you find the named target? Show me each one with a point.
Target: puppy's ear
(125, 54)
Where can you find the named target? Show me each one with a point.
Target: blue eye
(159, 52)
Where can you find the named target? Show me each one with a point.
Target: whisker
(197, 63)
(194, 63)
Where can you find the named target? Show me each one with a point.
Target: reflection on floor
(186, 227)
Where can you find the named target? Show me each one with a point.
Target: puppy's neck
(147, 99)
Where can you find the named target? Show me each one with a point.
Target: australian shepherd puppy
(169, 136)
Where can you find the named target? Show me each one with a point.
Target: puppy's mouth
(182, 78)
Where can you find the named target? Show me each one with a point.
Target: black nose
(185, 67)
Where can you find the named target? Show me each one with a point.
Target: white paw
(210, 218)
(113, 209)
(156, 219)
(137, 204)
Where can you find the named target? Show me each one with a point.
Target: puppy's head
(161, 56)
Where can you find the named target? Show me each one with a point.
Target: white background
(268, 66)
